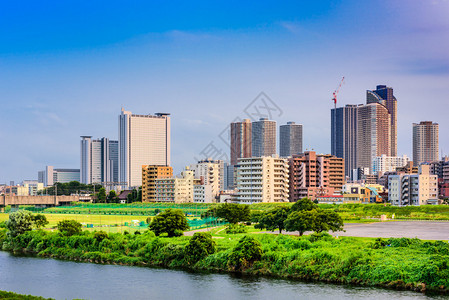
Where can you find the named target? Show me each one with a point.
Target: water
(67, 280)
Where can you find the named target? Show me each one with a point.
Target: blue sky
(66, 69)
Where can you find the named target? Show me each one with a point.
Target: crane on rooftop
(334, 95)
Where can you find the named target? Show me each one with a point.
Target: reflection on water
(67, 280)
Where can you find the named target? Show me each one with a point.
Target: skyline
(58, 83)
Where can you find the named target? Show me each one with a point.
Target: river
(67, 280)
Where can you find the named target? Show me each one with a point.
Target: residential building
(202, 193)
(210, 172)
(99, 160)
(344, 135)
(413, 189)
(425, 142)
(241, 139)
(384, 163)
(262, 179)
(290, 139)
(263, 138)
(373, 134)
(33, 186)
(384, 95)
(51, 175)
(177, 190)
(311, 175)
(150, 174)
(143, 140)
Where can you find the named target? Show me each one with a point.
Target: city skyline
(206, 73)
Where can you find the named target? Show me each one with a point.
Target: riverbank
(398, 263)
(14, 296)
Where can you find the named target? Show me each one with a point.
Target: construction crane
(334, 95)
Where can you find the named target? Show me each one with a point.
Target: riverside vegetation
(396, 262)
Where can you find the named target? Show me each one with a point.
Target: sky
(68, 67)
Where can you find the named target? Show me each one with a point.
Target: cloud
(292, 27)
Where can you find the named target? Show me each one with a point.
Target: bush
(100, 236)
(171, 222)
(236, 228)
(69, 227)
(19, 222)
(200, 246)
(247, 251)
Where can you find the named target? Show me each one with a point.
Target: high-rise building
(51, 175)
(373, 134)
(263, 138)
(384, 163)
(150, 174)
(311, 175)
(384, 95)
(344, 135)
(240, 140)
(99, 160)
(143, 140)
(290, 139)
(262, 179)
(425, 142)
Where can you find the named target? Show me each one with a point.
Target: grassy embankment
(14, 296)
(396, 263)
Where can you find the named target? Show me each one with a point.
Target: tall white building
(210, 172)
(99, 160)
(262, 179)
(143, 140)
(384, 163)
(413, 189)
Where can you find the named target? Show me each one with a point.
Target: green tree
(171, 221)
(40, 220)
(304, 204)
(301, 221)
(101, 196)
(112, 197)
(274, 219)
(328, 220)
(200, 246)
(19, 222)
(69, 227)
(247, 251)
(232, 212)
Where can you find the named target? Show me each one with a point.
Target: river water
(68, 280)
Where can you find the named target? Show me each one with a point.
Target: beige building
(413, 189)
(262, 179)
(210, 172)
(178, 190)
(425, 142)
(150, 174)
(143, 140)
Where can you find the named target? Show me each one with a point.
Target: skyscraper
(99, 160)
(263, 138)
(425, 142)
(373, 133)
(344, 135)
(240, 140)
(384, 95)
(143, 140)
(290, 141)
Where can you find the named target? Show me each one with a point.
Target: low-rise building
(177, 190)
(203, 193)
(150, 173)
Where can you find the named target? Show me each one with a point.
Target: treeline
(68, 188)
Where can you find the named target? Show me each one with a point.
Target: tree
(69, 227)
(327, 220)
(101, 196)
(301, 221)
(19, 222)
(172, 222)
(304, 204)
(232, 212)
(274, 219)
(200, 246)
(112, 197)
(39, 221)
(247, 251)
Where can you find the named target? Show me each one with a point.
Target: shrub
(245, 253)
(69, 227)
(100, 236)
(236, 228)
(200, 246)
(19, 222)
(171, 222)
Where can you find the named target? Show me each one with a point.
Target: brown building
(149, 175)
(241, 135)
(312, 175)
